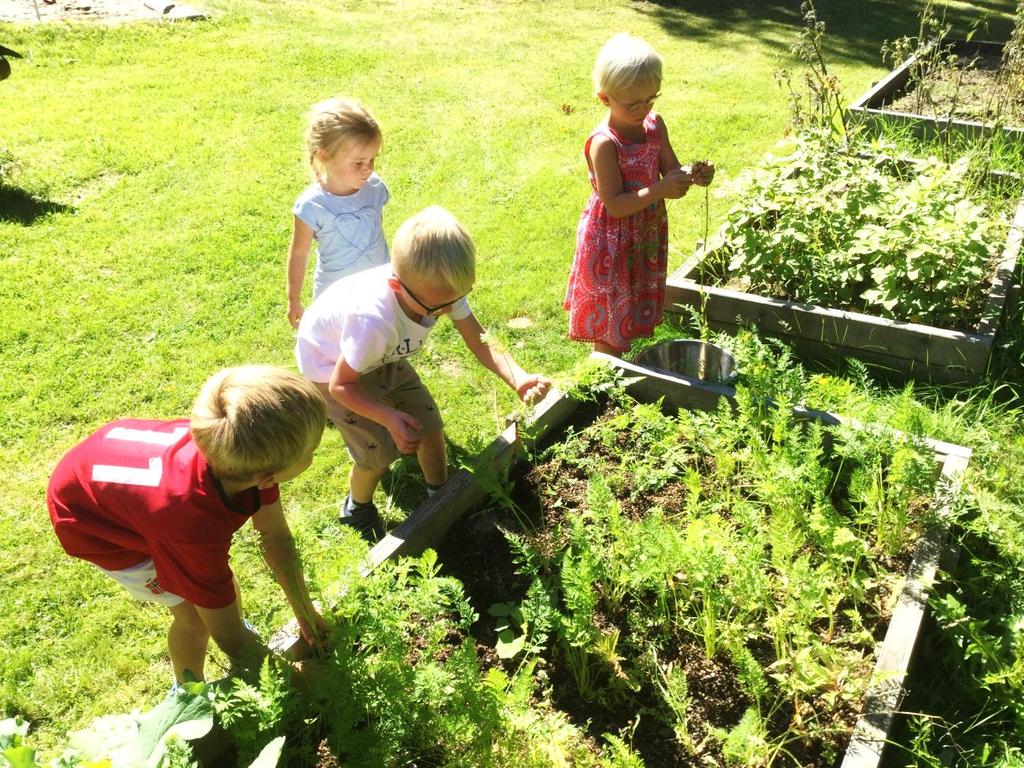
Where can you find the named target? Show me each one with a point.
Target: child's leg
(433, 458)
(187, 640)
(363, 482)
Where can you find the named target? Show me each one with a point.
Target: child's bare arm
(617, 201)
(278, 549)
(528, 386)
(344, 387)
(298, 258)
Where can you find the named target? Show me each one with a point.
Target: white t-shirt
(348, 229)
(359, 318)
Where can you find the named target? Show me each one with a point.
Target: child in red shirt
(154, 504)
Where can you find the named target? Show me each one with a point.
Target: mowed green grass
(146, 218)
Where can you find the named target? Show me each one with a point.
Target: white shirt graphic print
(359, 318)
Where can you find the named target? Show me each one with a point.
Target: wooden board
(885, 693)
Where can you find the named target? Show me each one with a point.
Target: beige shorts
(140, 581)
(398, 385)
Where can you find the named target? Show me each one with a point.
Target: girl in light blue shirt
(342, 208)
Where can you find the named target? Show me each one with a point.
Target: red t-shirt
(135, 490)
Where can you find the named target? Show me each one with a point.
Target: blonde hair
(433, 245)
(256, 420)
(623, 61)
(335, 124)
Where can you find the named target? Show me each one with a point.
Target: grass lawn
(149, 173)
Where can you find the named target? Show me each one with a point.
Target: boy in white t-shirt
(353, 342)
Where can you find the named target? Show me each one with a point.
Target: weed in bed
(926, 47)
(824, 97)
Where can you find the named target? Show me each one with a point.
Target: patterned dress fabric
(616, 289)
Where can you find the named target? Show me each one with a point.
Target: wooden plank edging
(885, 693)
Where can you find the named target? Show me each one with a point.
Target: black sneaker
(365, 519)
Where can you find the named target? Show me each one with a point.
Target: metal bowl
(689, 357)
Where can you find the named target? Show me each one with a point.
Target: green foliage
(403, 679)
(889, 473)
(511, 629)
(621, 755)
(253, 713)
(675, 691)
(158, 739)
(820, 104)
(403, 682)
(747, 743)
(826, 224)
(773, 545)
(13, 749)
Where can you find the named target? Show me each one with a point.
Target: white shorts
(140, 581)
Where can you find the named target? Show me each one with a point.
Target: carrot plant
(768, 547)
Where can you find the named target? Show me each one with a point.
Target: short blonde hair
(256, 420)
(432, 246)
(335, 124)
(623, 61)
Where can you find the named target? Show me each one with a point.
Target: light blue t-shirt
(348, 229)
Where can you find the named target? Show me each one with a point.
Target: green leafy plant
(826, 225)
(511, 628)
(158, 739)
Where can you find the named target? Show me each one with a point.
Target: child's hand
(295, 313)
(314, 631)
(676, 183)
(405, 431)
(533, 387)
(702, 172)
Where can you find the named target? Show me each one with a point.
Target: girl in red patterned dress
(617, 284)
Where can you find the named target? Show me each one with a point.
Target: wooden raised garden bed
(877, 107)
(898, 349)
(427, 528)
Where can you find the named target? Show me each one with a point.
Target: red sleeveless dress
(616, 287)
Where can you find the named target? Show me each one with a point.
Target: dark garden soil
(970, 90)
(476, 552)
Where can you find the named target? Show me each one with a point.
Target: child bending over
(355, 340)
(154, 505)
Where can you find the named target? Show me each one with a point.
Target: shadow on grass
(1007, 366)
(21, 207)
(854, 30)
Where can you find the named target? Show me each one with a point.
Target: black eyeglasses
(633, 106)
(430, 310)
